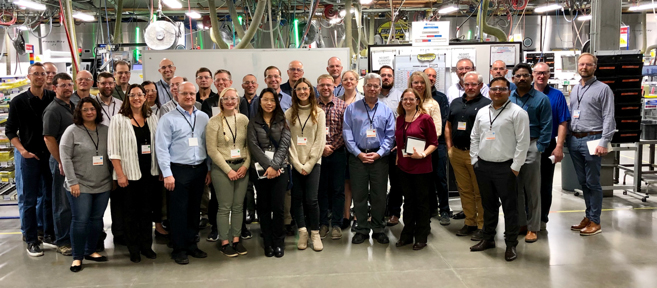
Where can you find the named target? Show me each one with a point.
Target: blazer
(122, 145)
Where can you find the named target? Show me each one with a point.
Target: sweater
(433, 109)
(304, 157)
(77, 149)
(122, 145)
(219, 141)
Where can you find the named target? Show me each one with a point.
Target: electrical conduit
(216, 35)
(257, 18)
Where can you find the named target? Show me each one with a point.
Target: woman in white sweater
(308, 136)
(420, 83)
(130, 146)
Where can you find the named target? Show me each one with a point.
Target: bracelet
(423, 155)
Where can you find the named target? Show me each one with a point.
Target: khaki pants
(468, 188)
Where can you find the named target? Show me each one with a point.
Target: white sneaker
(34, 250)
(317, 241)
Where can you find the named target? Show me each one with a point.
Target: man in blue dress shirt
(368, 131)
(273, 81)
(181, 154)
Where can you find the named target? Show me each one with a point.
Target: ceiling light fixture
(584, 18)
(643, 7)
(30, 4)
(193, 14)
(448, 9)
(366, 2)
(83, 17)
(547, 8)
(174, 4)
(344, 12)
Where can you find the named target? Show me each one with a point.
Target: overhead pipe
(313, 7)
(371, 26)
(236, 22)
(257, 18)
(347, 27)
(117, 21)
(644, 36)
(216, 35)
(271, 30)
(485, 28)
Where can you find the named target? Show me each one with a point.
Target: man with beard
(122, 76)
(334, 69)
(167, 70)
(51, 71)
(498, 69)
(204, 82)
(108, 104)
(85, 80)
(539, 111)
(464, 65)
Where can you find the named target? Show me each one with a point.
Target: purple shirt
(422, 128)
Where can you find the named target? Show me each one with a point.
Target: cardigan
(122, 145)
(219, 148)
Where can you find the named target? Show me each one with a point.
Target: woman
(269, 141)
(158, 198)
(415, 167)
(89, 182)
(420, 82)
(308, 141)
(350, 96)
(226, 146)
(130, 147)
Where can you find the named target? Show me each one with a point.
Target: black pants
(137, 213)
(439, 162)
(418, 192)
(116, 209)
(157, 200)
(547, 177)
(331, 188)
(184, 204)
(498, 183)
(368, 184)
(271, 204)
(304, 198)
(394, 198)
(213, 208)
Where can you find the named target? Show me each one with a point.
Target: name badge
(215, 111)
(371, 133)
(302, 140)
(576, 114)
(193, 142)
(235, 153)
(462, 125)
(145, 149)
(490, 135)
(270, 154)
(327, 131)
(98, 161)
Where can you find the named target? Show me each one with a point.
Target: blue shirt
(285, 99)
(163, 92)
(441, 98)
(559, 105)
(172, 139)
(539, 111)
(337, 90)
(357, 122)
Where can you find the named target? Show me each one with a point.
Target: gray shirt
(110, 110)
(171, 105)
(56, 118)
(77, 150)
(595, 103)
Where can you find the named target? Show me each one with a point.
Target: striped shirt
(334, 118)
(122, 145)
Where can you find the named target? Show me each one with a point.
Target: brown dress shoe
(531, 237)
(483, 245)
(585, 222)
(394, 220)
(591, 229)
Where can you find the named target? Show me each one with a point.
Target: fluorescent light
(199, 26)
(584, 18)
(193, 14)
(643, 7)
(335, 20)
(344, 12)
(174, 4)
(547, 8)
(366, 2)
(23, 28)
(83, 17)
(448, 9)
(30, 4)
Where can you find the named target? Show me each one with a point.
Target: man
(167, 70)
(539, 111)
(204, 82)
(294, 73)
(439, 161)
(334, 69)
(560, 117)
(592, 119)
(250, 86)
(51, 71)
(171, 105)
(464, 66)
(84, 80)
(122, 76)
(461, 120)
(56, 118)
(499, 143)
(368, 131)
(391, 97)
(498, 69)
(273, 80)
(181, 154)
(25, 119)
(108, 104)
(222, 80)
(334, 160)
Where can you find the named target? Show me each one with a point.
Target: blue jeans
(19, 192)
(88, 210)
(60, 207)
(331, 188)
(439, 162)
(36, 179)
(587, 168)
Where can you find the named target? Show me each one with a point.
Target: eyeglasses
(581, 65)
(464, 69)
(85, 110)
(544, 73)
(269, 100)
(499, 89)
(302, 89)
(273, 77)
(167, 67)
(203, 77)
(85, 79)
(411, 100)
(249, 83)
(151, 91)
(123, 72)
(386, 75)
(295, 69)
(372, 86)
(222, 79)
(38, 74)
(324, 85)
(66, 85)
(136, 95)
(229, 99)
(519, 76)
(185, 94)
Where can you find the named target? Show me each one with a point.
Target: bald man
(457, 90)
(51, 71)
(167, 70)
(175, 88)
(84, 80)
(499, 70)
(334, 69)
(294, 73)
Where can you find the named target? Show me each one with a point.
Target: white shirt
(391, 100)
(110, 110)
(456, 91)
(511, 135)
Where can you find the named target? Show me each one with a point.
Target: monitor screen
(569, 63)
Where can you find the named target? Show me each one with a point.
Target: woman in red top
(414, 125)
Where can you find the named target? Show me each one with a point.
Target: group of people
(164, 151)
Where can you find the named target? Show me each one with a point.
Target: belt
(187, 165)
(461, 148)
(369, 150)
(584, 134)
(236, 161)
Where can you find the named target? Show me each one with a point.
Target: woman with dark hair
(130, 147)
(269, 140)
(152, 99)
(83, 151)
(308, 141)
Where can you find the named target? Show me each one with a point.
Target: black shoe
(289, 230)
(119, 240)
(459, 215)
(483, 245)
(354, 226)
(382, 238)
(198, 253)
(419, 246)
(96, 259)
(229, 251)
(34, 250)
(135, 258)
(100, 246)
(279, 252)
(269, 252)
(359, 238)
(478, 235)
(248, 219)
(510, 253)
(402, 243)
(181, 259)
(150, 254)
(203, 223)
(213, 236)
(76, 269)
(345, 224)
(239, 248)
(160, 235)
(466, 230)
(197, 238)
(246, 234)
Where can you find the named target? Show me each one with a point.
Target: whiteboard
(241, 62)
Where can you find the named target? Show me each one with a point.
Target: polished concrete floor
(621, 256)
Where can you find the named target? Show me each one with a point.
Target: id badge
(576, 114)
(98, 161)
(215, 111)
(301, 141)
(462, 125)
(371, 133)
(490, 135)
(327, 131)
(145, 149)
(193, 142)
(270, 154)
(235, 153)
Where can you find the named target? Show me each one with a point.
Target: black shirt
(441, 98)
(143, 137)
(56, 118)
(213, 101)
(464, 111)
(26, 120)
(198, 96)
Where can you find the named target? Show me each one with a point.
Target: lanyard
(579, 97)
(498, 114)
(230, 129)
(304, 124)
(111, 103)
(189, 123)
(92, 138)
(523, 103)
(165, 90)
(368, 113)
(406, 127)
